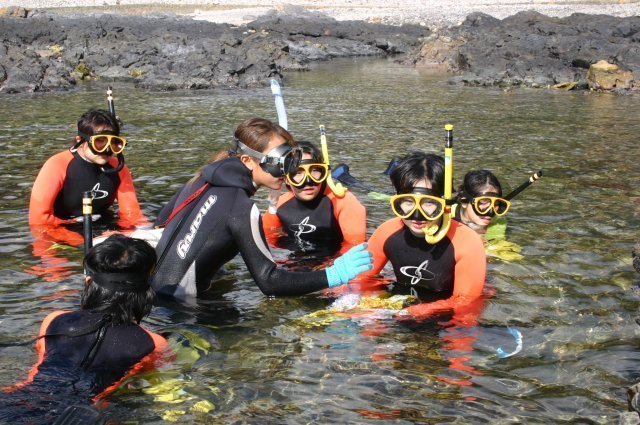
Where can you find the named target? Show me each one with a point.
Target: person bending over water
(446, 275)
(310, 211)
(213, 217)
(89, 165)
(84, 353)
(480, 200)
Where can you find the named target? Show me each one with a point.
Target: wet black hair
(119, 254)
(95, 118)
(311, 149)
(475, 181)
(415, 167)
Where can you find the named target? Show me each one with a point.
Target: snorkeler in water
(480, 200)
(311, 211)
(213, 218)
(83, 354)
(94, 163)
(444, 266)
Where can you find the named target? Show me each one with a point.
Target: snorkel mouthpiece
(434, 234)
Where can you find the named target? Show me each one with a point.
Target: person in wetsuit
(444, 276)
(83, 354)
(310, 211)
(213, 217)
(479, 200)
(95, 163)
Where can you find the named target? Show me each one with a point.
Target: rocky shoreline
(42, 51)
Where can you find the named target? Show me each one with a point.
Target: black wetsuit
(211, 230)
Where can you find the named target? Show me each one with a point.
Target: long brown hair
(254, 133)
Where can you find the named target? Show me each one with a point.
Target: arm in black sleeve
(246, 227)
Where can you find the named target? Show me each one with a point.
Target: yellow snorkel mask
(336, 188)
(434, 233)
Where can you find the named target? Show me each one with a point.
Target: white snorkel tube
(282, 121)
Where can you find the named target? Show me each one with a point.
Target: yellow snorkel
(434, 234)
(336, 188)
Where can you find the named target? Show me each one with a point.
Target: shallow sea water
(573, 296)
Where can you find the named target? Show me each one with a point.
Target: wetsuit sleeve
(470, 272)
(48, 184)
(352, 217)
(377, 241)
(246, 227)
(271, 223)
(128, 206)
(41, 349)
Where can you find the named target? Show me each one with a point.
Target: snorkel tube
(524, 185)
(274, 194)
(112, 111)
(336, 188)
(434, 234)
(87, 224)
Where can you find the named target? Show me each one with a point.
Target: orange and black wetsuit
(446, 276)
(56, 196)
(325, 218)
(67, 337)
(58, 380)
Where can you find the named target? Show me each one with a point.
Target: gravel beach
(432, 13)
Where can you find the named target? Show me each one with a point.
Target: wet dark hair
(95, 118)
(415, 167)
(475, 181)
(311, 149)
(119, 254)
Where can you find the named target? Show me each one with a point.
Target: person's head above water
(307, 180)
(265, 148)
(98, 136)
(480, 197)
(117, 281)
(418, 179)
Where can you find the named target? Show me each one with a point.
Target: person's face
(261, 177)
(416, 227)
(478, 222)
(309, 191)
(96, 158)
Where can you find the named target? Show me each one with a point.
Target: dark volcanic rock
(532, 49)
(49, 52)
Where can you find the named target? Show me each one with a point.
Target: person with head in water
(444, 275)
(83, 354)
(310, 211)
(213, 217)
(94, 163)
(480, 200)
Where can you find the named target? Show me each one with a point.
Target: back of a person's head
(476, 182)
(418, 166)
(120, 268)
(97, 119)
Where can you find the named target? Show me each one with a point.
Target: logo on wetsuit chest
(97, 193)
(185, 243)
(302, 227)
(418, 274)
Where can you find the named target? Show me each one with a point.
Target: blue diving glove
(349, 265)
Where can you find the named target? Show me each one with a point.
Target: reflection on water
(572, 295)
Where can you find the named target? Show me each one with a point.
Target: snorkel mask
(279, 162)
(308, 173)
(488, 204)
